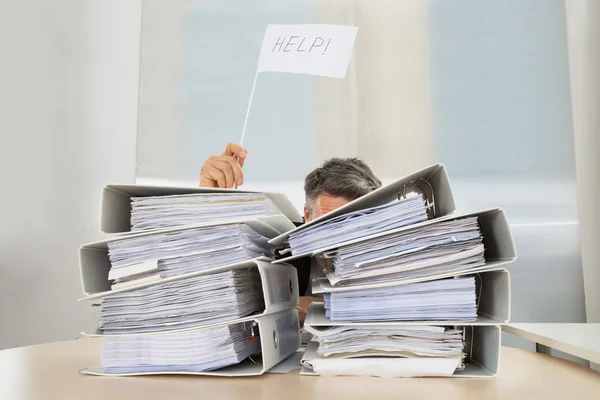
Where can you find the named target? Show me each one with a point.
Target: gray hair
(349, 178)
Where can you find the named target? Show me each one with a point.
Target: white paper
(184, 251)
(415, 340)
(384, 350)
(152, 212)
(307, 49)
(133, 269)
(449, 246)
(385, 367)
(193, 351)
(359, 223)
(139, 281)
(446, 299)
(183, 304)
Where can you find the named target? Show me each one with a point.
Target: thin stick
(248, 110)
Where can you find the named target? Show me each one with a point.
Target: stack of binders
(409, 288)
(186, 284)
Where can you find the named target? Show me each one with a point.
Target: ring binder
(432, 179)
(116, 210)
(188, 287)
(425, 190)
(493, 306)
(278, 335)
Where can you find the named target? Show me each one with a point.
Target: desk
(580, 340)
(50, 372)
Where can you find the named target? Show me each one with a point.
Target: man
(337, 182)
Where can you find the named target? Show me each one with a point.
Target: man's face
(323, 204)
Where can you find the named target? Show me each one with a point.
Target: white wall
(68, 108)
(380, 112)
(584, 63)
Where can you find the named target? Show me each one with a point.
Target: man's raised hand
(224, 171)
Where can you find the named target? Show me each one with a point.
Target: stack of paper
(166, 211)
(410, 350)
(446, 299)
(193, 292)
(372, 274)
(166, 254)
(183, 304)
(379, 285)
(450, 246)
(403, 294)
(378, 340)
(190, 351)
(396, 214)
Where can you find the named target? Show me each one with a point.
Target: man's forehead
(326, 202)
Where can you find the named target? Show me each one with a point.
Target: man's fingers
(207, 182)
(209, 172)
(206, 179)
(226, 169)
(233, 149)
(233, 165)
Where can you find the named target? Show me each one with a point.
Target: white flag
(308, 49)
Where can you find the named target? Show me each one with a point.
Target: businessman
(336, 182)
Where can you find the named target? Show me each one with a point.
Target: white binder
(492, 297)
(279, 338)
(279, 284)
(95, 265)
(497, 239)
(432, 181)
(115, 211)
(482, 348)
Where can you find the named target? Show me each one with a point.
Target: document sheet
(187, 303)
(174, 210)
(405, 341)
(396, 214)
(449, 246)
(189, 351)
(445, 299)
(183, 251)
(410, 350)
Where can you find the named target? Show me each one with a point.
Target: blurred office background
(503, 92)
